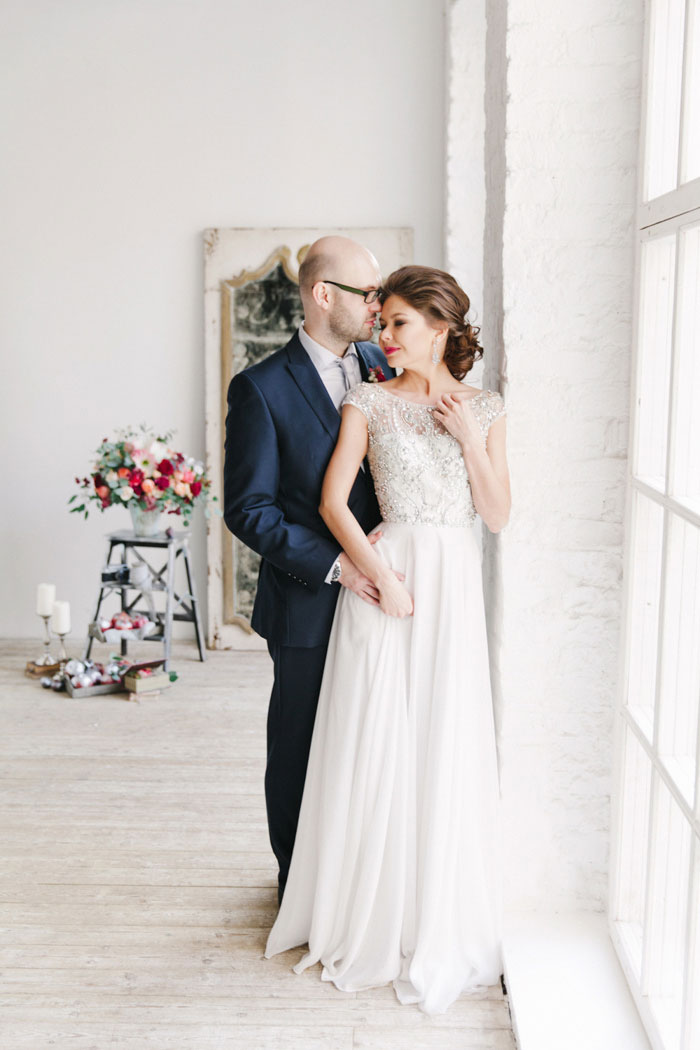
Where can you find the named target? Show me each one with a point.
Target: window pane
(685, 469)
(664, 944)
(690, 163)
(634, 839)
(658, 261)
(664, 96)
(680, 663)
(643, 605)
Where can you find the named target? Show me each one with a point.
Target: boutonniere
(376, 375)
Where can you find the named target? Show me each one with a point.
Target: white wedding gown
(396, 872)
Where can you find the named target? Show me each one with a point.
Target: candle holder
(62, 654)
(47, 664)
(46, 659)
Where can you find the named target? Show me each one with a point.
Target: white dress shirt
(337, 374)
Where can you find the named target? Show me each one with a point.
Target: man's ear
(321, 295)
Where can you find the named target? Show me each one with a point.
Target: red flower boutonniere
(376, 375)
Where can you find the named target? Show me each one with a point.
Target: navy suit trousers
(290, 723)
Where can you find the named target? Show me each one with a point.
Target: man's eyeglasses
(369, 297)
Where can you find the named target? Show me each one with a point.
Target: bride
(396, 874)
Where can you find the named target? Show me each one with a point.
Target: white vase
(145, 522)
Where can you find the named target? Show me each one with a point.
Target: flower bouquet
(145, 474)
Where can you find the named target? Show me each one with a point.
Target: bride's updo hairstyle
(436, 295)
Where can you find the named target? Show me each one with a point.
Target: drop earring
(435, 355)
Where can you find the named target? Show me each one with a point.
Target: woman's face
(406, 336)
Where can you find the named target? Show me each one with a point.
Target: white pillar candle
(45, 597)
(61, 618)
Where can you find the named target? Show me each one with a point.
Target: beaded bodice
(419, 473)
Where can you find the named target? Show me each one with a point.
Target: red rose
(196, 488)
(99, 481)
(163, 483)
(136, 477)
(166, 467)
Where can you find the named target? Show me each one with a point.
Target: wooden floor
(137, 885)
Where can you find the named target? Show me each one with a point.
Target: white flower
(112, 478)
(158, 450)
(126, 493)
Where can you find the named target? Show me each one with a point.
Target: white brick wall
(562, 114)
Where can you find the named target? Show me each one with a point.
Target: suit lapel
(365, 352)
(311, 385)
(364, 367)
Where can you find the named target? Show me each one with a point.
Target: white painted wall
(560, 85)
(129, 127)
(566, 94)
(465, 200)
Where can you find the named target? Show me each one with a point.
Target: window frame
(660, 216)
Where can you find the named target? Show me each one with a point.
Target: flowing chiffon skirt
(396, 874)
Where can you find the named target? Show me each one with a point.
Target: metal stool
(176, 545)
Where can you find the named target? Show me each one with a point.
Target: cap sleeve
(360, 397)
(495, 407)
(488, 406)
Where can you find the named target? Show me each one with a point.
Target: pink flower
(148, 485)
(188, 476)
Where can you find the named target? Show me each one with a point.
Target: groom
(282, 424)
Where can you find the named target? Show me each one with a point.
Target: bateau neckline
(420, 404)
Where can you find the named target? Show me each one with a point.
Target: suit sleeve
(251, 483)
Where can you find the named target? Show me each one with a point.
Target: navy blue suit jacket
(281, 429)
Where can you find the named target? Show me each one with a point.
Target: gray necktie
(349, 375)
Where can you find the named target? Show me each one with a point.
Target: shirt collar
(321, 356)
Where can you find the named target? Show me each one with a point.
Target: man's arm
(251, 481)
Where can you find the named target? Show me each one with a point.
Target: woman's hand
(457, 416)
(394, 599)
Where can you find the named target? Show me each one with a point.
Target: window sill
(565, 984)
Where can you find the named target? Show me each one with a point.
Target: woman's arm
(487, 467)
(342, 470)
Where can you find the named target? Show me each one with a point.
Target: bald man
(282, 424)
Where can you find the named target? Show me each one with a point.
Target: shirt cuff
(330, 572)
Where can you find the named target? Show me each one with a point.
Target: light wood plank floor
(137, 884)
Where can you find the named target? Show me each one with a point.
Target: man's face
(351, 319)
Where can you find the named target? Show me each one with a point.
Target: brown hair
(436, 295)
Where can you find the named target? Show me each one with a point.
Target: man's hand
(356, 581)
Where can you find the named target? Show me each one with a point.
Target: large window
(655, 874)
